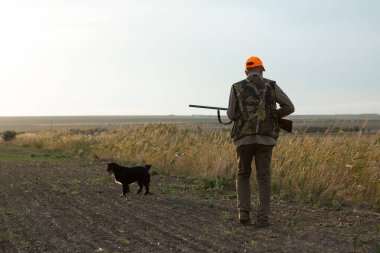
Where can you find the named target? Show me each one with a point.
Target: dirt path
(50, 203)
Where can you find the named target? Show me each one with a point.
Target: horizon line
(171, 115)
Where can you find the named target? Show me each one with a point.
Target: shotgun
(284, 124)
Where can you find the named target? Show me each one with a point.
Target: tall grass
(327, 169)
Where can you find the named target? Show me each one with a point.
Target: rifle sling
(220, 120)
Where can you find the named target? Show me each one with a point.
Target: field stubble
(330, 169)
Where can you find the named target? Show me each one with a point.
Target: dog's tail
(147, 167)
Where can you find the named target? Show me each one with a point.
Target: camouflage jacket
(256, 108)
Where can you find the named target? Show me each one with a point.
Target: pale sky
(126, 57)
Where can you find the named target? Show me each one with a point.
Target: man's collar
(253, 75)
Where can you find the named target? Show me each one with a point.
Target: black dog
(128, 175)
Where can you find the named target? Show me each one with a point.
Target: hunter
(253, 108)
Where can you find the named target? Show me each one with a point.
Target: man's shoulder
(271, 83)
(269, 80)
(244, 81)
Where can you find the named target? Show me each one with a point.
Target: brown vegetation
(333, 169)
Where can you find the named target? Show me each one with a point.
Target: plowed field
(53, 203)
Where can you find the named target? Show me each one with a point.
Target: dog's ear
(147, 167)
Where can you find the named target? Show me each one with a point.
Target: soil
(53, 203)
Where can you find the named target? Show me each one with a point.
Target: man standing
(253, 108)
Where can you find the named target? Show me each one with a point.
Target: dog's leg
(140, 185)
(146, 189)
(146, 183)
(125, 189)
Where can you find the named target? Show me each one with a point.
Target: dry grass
(328, 169)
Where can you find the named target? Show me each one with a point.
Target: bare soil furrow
(157, 227)
(68, 234)
(23, 224)
(82, 223)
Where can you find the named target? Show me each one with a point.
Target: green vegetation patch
(5, 237)
(73, 188)
(253, 244)
(123, 240)
(292, 226)
(204, 187)
(376, 248)
(60, 189)
(326, 225)
(227, 216)
(14, 157)
(98, 181)
(357, 241)
(25, 245)
(3, 211)
(26, 154)
(53, 155)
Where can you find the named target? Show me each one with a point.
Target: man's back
(286, 108)
(256, 108)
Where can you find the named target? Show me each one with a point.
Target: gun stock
(286, 125)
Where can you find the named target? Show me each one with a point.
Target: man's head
(254, 65)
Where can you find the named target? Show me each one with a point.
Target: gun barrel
(209, 107)
(285, 124)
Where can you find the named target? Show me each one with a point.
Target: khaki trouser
(263, 155)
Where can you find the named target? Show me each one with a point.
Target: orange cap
(254, 62)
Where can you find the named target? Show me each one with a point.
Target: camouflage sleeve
(286, 106)
(231, 111)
